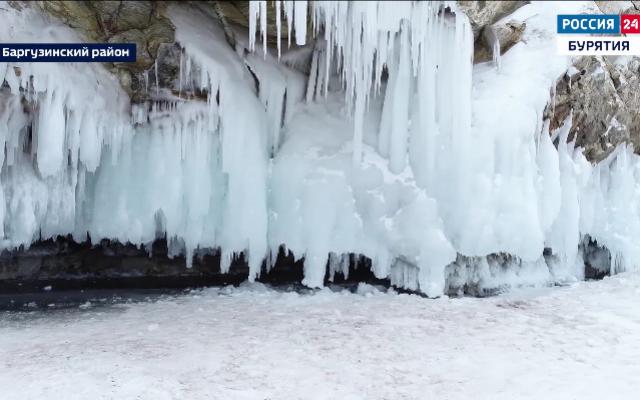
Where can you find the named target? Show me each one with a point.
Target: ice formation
(387, 149)
(383, 205)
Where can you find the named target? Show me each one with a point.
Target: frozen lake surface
(576, 342)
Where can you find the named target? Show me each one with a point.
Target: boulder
(506, 33)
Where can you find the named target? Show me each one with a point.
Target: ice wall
(81, 160)
(423, 107)
(55, 120)
(388, 149)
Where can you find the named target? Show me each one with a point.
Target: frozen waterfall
(387, 148)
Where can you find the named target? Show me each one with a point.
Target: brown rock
(485, 13)
(602, 92)
(507, 34)
(139, 22)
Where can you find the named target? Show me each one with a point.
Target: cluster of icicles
(196, 172)
(426, 48)
(372, 153)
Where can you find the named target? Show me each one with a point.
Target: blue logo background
(589, 23)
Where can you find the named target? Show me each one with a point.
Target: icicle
(300, 20)
(258, 9)
(263, 24)
(497, 58)
(254, 9)
(400, 110)
(180, 76)
(495, 46)
(313, 77)
(157, 80)
(364, 34)
(323, 77)
(51, 134)
(358, 130)
(288, 9)
(327, 72)
(278, 25)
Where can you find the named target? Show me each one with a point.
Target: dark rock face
(65, 264)
(466, 275)
(139, 22)
(597, 259)
(69, 264)
(602, 94)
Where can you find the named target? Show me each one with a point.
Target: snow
(253, 342)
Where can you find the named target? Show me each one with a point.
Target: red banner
(630, 23)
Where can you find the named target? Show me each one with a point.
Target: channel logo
(607, 35)
(596, 24)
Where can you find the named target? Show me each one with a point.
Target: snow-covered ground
(576, 342)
